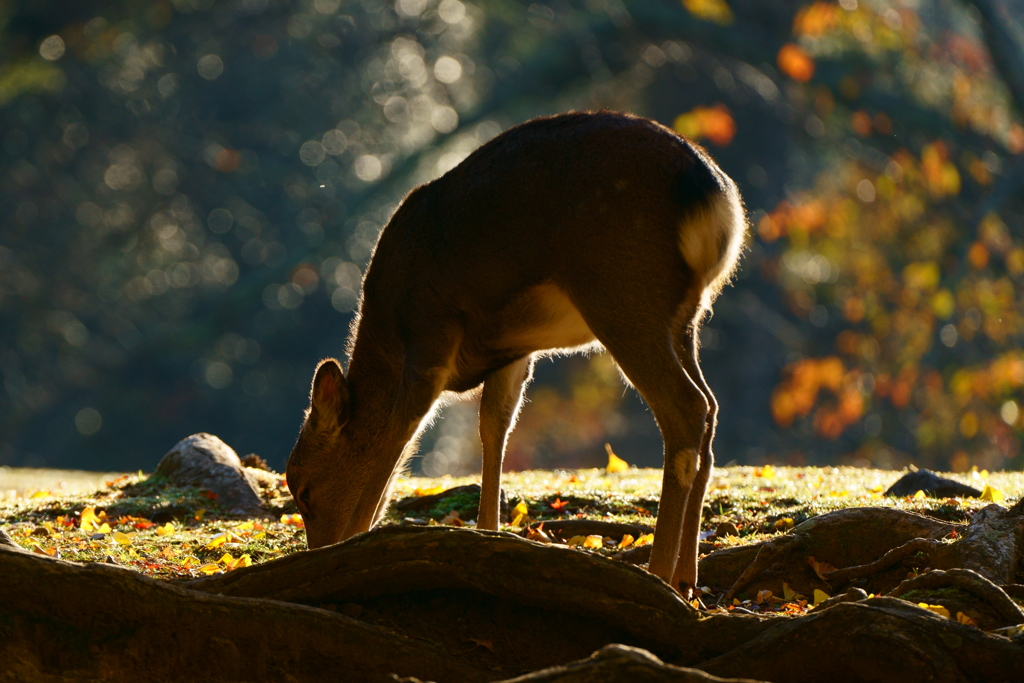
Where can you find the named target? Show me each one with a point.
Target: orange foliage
(795, 63)
(707, 123)
(815, 19)
(799, 393)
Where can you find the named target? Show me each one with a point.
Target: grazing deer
(562, 234)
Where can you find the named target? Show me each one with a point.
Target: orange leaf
(559, 504)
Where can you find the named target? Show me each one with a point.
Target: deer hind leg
(685, 576)
(499, 406)
(645, 354)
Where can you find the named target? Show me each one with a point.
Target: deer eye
(304, 498)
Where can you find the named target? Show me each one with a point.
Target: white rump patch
(711, 241)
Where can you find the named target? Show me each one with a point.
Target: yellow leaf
(246, 526)
(788, 592)
(766, 472)
(165, 530)
(262, 534)
(736, 602)
(211, 568)
(217, 541)
(89, 519)
(595, 542)
(517, 520)
(763, 596)
(420, 492)
(41, 494)
(121, 538)
(243, 561)
(820, 568)
(226, 559)
(966, 620)
(820, 596)
(938, 609)
(576, 541)
(646, 539)
(168, 552)
(626, 541)
(521, 509)
(615, 463)
(200, 514)
(784, 524)
(992, 494)
(919, 495)
(103, 528)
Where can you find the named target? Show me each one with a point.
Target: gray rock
(204, 461)
(933, 486)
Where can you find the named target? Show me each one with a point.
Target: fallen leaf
(766, 472)
(44, 493)
(208, 494)
(919, 495)
(294, 520)
(646, 539)
(559, 504)
(103, 528)
(576, 541)
(433, 490)
(211, 568)
(593, 541)
(764, 596)
(451, 519)
(787, 592)
(784, 524)
(121, 538)
(820, 568)
(165, 530)
(615, 463)
(992, 494)
(538, 534)
(820, 596)
(217, 541)
(966, 620)
(626, 541)
(938, 609)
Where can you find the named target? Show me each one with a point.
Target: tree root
(986, 603)
(621, 663)
(564, 529)
(452, 605)
(65, 621)
(927, 546)
(880, 639)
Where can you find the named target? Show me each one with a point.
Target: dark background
(189, 192)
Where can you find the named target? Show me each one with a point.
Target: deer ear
(329, 399)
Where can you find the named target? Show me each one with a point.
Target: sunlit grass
(169, 532)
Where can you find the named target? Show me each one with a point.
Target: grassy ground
(137, 521)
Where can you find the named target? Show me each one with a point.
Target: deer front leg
(499, 406)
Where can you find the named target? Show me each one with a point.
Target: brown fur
(565, 233)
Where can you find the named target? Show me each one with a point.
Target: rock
(933, 486)
(204, 461)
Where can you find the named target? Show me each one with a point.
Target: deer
(564, 234)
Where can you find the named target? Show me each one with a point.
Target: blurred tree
(190, 190)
